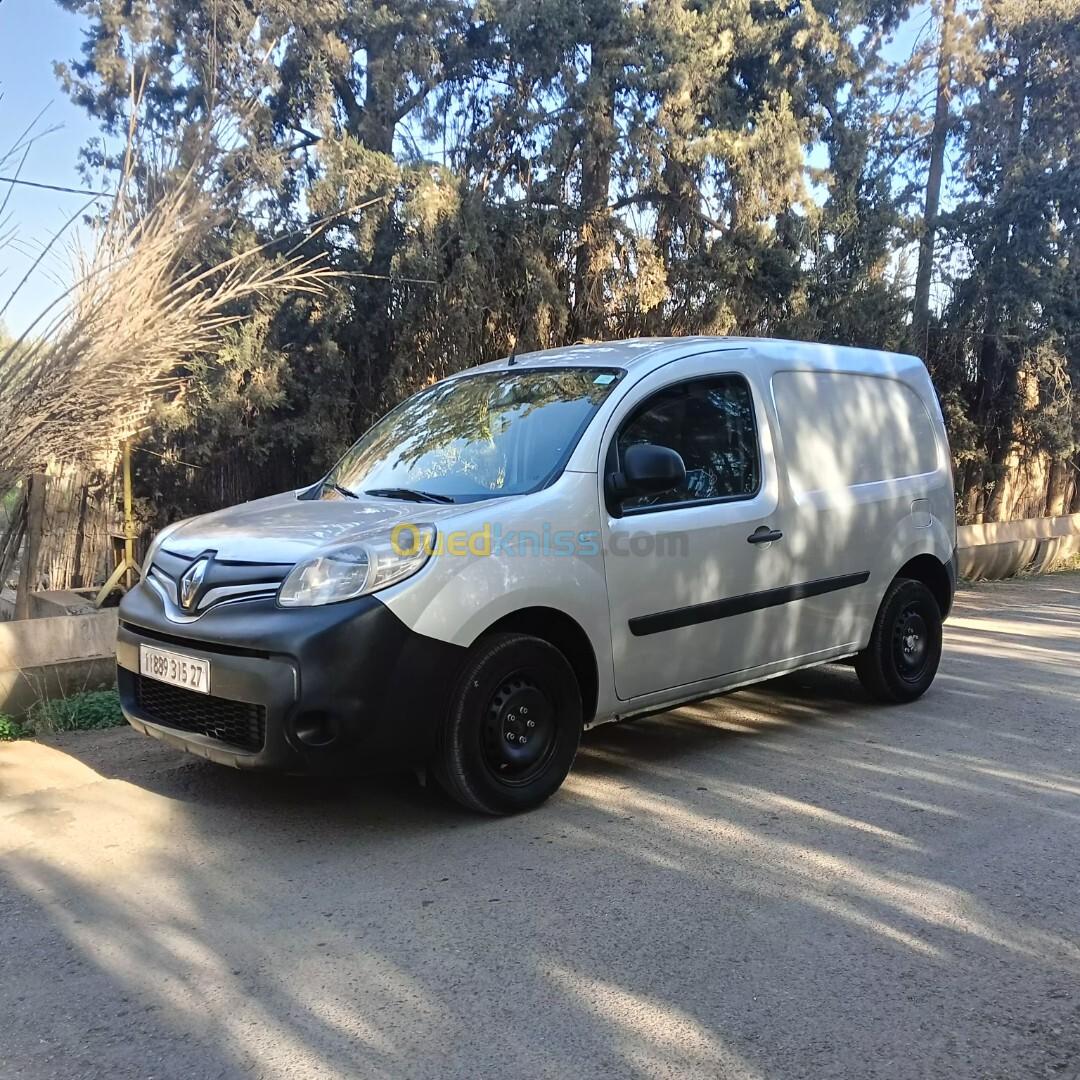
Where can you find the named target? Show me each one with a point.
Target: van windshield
(480, 436)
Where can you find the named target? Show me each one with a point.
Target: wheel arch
(935, 575)
(566, 634)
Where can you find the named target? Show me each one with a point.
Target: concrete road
(785, 882)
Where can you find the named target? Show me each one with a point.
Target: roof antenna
(511, 360)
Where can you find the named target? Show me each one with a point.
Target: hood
(285, 529)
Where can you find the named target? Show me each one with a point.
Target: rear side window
(842, 430)
(710, 423)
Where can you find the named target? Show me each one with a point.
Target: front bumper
(344, 687)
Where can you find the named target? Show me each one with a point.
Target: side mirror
(647, 470)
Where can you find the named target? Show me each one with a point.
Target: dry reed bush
(80, 380)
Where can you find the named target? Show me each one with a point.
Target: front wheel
(512, 728)
(904, 651)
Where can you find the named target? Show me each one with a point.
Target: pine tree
(939, 134)
(602, 168)
(1014, 310)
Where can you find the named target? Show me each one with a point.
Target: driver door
(684, 578)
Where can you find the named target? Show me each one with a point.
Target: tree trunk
(663, 239)
(1057, 489)
(381, 78)
(35, 521)
(12, 540)
(1000, 361)
(1002, 436)
(975, 475)
(374, 294)
(920, 314)
(597, 154)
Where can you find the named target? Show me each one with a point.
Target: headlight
(156, 543)
(351, 570)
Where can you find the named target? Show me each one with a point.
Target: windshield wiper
(408, 493)
(340, 490)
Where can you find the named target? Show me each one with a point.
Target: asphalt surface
(785, 882)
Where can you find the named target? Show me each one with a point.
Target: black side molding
(644, 625)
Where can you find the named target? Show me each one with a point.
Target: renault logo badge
(190, 582)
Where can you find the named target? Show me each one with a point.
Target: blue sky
(33, 35)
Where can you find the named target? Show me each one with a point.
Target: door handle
(764, 535)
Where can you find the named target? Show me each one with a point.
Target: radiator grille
(234, 722)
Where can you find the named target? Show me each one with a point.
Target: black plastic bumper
(345, 687)
(950, 569)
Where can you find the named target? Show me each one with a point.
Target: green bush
(9, 729)
(89, 711)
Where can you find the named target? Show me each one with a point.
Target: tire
(512, 728)
(904, 651)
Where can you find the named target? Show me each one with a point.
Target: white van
(554, 541)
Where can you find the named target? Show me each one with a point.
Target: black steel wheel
(513, 725)
(901, 659)
(911, 643)
(520, 730)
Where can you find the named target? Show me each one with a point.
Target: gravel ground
(785, 882)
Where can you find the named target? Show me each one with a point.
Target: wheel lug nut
(522, 739)
(530, 723)
(509, 736)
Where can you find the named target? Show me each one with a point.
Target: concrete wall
(54, 657)
(1001, 549)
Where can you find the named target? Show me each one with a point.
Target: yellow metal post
(129, 520)
(127, 566)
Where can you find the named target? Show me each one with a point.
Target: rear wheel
(513, 726)
(902, 657)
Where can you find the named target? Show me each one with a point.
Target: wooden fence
(80, 517)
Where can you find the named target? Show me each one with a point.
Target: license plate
(175, 668)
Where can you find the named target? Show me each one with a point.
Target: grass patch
(89, 711)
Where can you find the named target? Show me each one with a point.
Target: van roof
(640, 353)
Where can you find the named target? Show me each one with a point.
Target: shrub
(88, 711)
(9, 729)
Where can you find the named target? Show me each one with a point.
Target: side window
(710, 422)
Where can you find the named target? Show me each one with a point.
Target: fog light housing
(315, 728)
